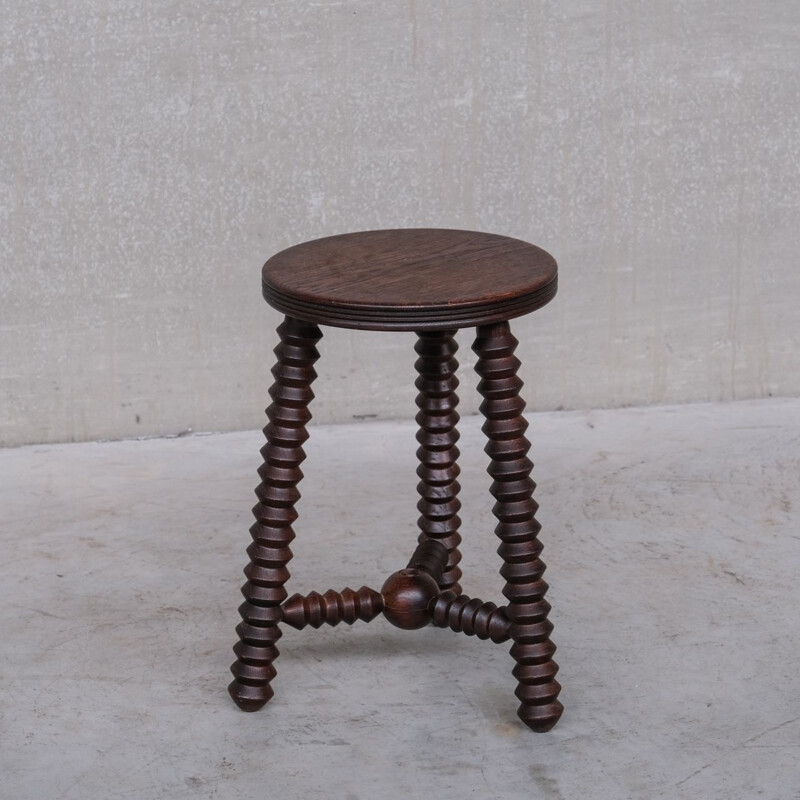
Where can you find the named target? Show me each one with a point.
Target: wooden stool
(431, 282)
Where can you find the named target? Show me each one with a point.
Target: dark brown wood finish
(432, 282)
(410, 598)
(410, 279)
(471, 616)
(437, 453)
(517, 527)
(332, 608)
(272, 531)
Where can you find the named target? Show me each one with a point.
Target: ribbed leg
(517, 527)
(272, 531)
(437, 436)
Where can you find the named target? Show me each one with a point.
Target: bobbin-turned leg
(272, 531)
(437, 453)
(517, 527)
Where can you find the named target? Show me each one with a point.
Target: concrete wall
(154, 155)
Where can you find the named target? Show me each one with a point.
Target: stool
(431, 282)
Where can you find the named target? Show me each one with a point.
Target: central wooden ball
(406, 597)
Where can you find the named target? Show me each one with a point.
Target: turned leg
(517, 527)
(272, 531)
(437, 454)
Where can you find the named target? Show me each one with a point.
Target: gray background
(155, 154)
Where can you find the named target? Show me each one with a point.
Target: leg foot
(250, 698)
(541, 718)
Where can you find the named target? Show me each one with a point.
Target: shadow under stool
(432, 282)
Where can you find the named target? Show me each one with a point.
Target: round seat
(410, 279)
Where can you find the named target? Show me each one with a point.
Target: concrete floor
(673, 542)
